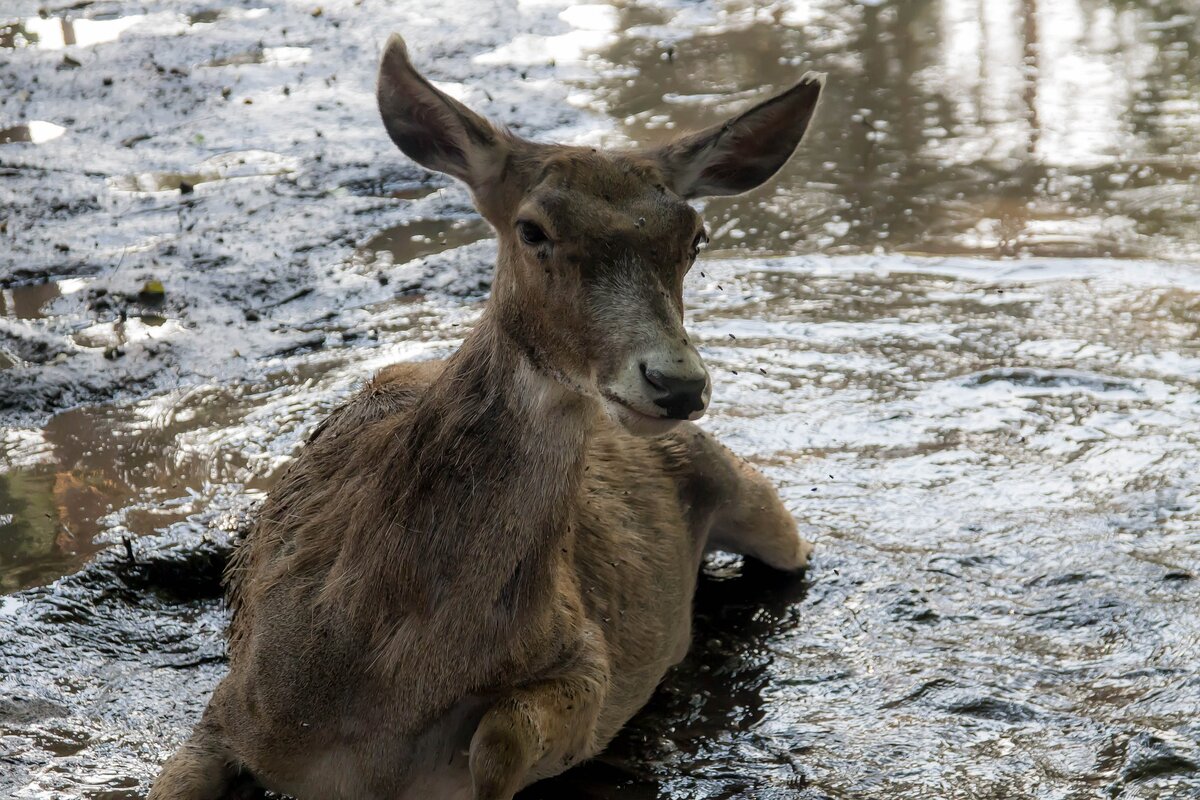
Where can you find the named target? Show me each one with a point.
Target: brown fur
(472, 576)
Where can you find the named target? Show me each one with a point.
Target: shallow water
(994, 449)
(1004, 600)
(998, 128)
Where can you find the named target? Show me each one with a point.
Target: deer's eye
(531, 233)
(699, 242)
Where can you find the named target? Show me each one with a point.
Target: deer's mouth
(637, 422)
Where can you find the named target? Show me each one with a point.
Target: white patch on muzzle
(658, 388)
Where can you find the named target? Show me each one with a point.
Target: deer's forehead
(613, 193)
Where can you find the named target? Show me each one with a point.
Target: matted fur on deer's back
(318, 481)
(332, 506)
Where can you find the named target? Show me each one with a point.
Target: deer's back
(628, 565)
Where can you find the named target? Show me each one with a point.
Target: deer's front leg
(757, 524)
(749, 517)
(541, 728)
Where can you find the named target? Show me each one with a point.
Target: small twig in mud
(198, 662)
(307, 343)
(129, 550)
(69, 532)
(857, 621)
(120, 261)
(9, 165)
(293, 296)
(130, 141)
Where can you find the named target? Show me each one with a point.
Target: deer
(477, 570)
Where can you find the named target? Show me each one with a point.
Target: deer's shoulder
(391, 391)
(319, 482)
(410, 375)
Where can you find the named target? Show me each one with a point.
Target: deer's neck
(492, 400)
(495, 452)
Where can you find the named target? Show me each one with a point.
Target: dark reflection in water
(26, 302)
(34, 132)
(998, 128)
(149, 463)
(741, 609)
(56, 32)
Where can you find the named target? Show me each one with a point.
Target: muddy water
(101, 474)
(994, 449)
(413, 240)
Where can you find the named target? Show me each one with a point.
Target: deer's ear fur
(432, 128)
(743, 152)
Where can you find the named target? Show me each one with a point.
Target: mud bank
(231, 151)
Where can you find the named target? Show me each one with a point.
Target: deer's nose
(681, 394)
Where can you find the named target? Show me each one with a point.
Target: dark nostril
(681, 395)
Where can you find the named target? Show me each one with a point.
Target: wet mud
(959, 332)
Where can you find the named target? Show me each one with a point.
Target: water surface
(998, 128)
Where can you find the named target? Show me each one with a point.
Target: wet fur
(472, 577)
(373, 686)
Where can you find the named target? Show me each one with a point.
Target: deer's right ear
(432, 128)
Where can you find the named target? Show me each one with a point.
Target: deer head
(594, 245)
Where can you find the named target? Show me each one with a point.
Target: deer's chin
(636, 422)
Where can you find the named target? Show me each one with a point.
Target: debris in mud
(36, 132)
(152, 292)
(300, 344)
(130, 141)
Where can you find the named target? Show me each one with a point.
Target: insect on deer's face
(594, 245)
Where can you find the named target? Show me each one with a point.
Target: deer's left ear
(742, 152)
(432, 128)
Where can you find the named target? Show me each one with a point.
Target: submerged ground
(960, 332)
